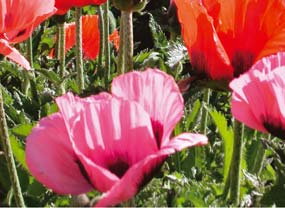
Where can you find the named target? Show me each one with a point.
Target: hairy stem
(120, 67)
(9, 156)
(61, 53)
(235, 171)
(79, 59)
(102, 31)
(106, 42)
(128, 40)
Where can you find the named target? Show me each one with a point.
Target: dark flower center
(275, 130)
(242, 61)
(119, 167)
(157, 129)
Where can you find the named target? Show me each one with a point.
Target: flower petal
(51, 159)
(63, 6)
(205, 49)
(157, 92)
(19, 27)
(109, 128)
(13, 54)
(142, 172)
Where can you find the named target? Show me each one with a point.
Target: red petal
(13, 54)
(206, 52)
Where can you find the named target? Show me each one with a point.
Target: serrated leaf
(227, 136)
(50, 75)
(176, 53)
(158, 35)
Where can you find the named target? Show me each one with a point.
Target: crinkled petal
(13, 54)
(205, 49)
(107, 130)
(142, 172)
(157, 92)
(19, 27)
(51, 159)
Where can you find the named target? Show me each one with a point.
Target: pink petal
(258, 95)
(13, 54)
(142, 172)
(103, 131)
(51, 159)
(157, 92)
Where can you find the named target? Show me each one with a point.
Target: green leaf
(191, 119)
(227, 136)
(158, 35)
(23, 130)
(18, 151)
(50, 75)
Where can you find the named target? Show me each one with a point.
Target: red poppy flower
(259, 96)
(64, 5)
(93, 142)
(90, 37)
(225, 38)
(18, 19)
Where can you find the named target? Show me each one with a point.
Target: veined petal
(142, 172)
(205, 49)
(51, 159)
(13, 54)
(258, 96)
(19, 27)
(107, 132)
(157, 93)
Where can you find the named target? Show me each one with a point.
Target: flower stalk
(235, 169)
(128, 44)
(120, 67)
(106, 42)
(102, 31)
(9, 156)
(61, 55)
(79, 56)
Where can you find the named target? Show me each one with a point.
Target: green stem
(128, 40)
(204, 118)
(120, 67)
(61, 56)
(9, 156)
(106, 44)
(79, 59)
(102, 32)
(235, 171)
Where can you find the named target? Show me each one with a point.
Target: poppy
(225, 38)
(90, 37)
(63, 5)
(18, 19)
(93, 142)
(258, 98)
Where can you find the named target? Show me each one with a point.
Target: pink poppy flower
(93, 142)
(259, 96)
(18, 19)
